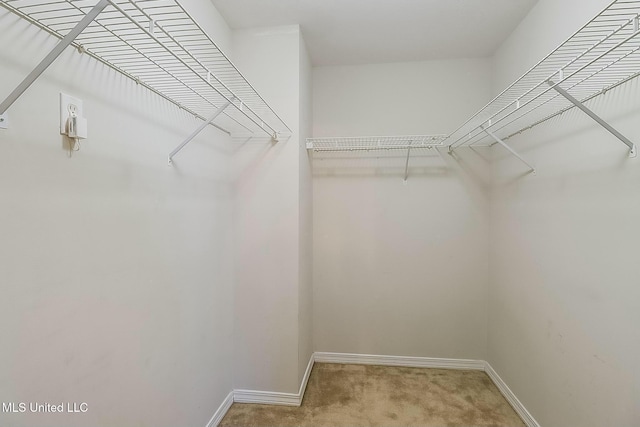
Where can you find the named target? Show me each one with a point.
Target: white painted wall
(400, 269)
(305, 191)
(564, 297)
(115, 268)
(118, 271)
(412, 98)
(270, 229)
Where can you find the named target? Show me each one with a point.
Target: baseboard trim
(266, 397)
(275, 398)
(406, 361)
(305, 378)
(222, 411)
(510, 396)
(295, 399)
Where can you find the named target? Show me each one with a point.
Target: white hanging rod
(159, 45)
(369, 143)
(600, 56)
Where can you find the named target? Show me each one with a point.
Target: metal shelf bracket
(160, 46)
(603, 54)
(633, 152)
(511, 150)
(53, 55)
(195, 133)
(406, 165)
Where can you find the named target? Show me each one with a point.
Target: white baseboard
(295, 399)
(275, 398)
(266, 397)
(305, 378)
(222, 411)
(511, 398)
(406, 361)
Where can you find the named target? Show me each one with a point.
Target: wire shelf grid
(602, 55)
(159, 45)
(369, 143)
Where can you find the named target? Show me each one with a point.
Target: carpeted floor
(360, 395)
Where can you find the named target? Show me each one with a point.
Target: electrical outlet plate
(4, 121)
(65, 101)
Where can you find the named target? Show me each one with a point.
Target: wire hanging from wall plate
(75, 128)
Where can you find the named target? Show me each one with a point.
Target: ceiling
(341, 32)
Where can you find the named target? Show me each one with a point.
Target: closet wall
(400, 269)
(116, 268)
(272, 219)
(305, 191)
(564, 300)
(140, 288)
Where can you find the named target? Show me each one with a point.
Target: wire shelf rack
(159, 45)
(369, 143)
(603, 54)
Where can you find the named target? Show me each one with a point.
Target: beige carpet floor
(360, 395)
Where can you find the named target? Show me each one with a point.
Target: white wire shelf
(603, 54)
(159, 45)
(359, 144)
(369, 143)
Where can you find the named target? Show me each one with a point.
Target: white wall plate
(65, 100)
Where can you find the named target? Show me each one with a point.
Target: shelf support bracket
(53, 55)
(511, 150)
(406, 165)
(633, 152)
(200, 128)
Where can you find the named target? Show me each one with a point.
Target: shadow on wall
(378, 163)
(469, 165)
(617, 107)
(250, 157)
